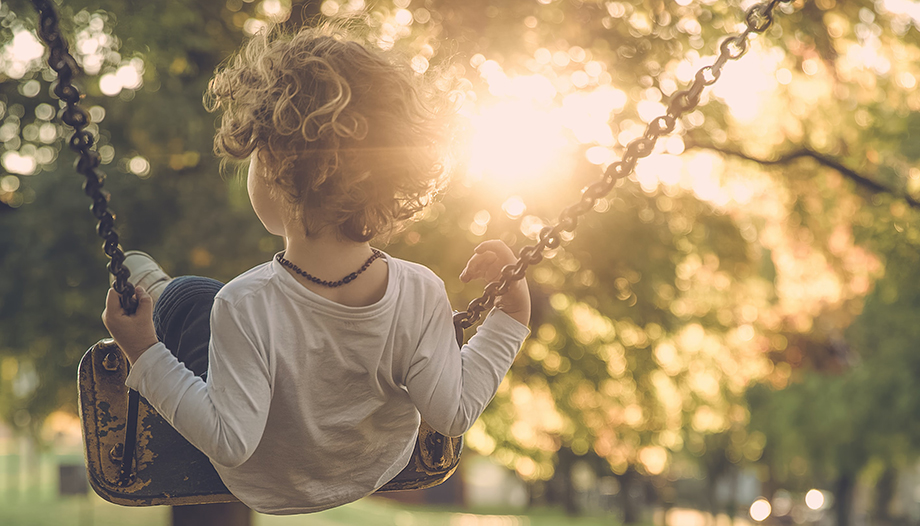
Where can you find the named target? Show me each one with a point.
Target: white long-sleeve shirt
(310, 404)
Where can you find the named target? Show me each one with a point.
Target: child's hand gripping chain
(487, 263)
(133, 333)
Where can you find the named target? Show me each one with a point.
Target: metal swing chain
(63, 63)
(757, 20)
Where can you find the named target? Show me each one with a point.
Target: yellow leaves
(590, 325)
(633, 415)
(525, 467)
(523, 432)
(178, 66)
(554, 363)
(536, 417)
(580, 446)
(782, 372)
(669, 397)
(9, 366)
(478, 439)
(184, 160)
(619, 457)
(546, 333)
(631, 335)
(615, 356)
(536, 350)
(671, 439)
(585, 396)
(704, 383)
(559, 301)
(201, 257)
(667, 357)
(654, 459)
(691, 337)
(62, 429)
(706, 420)
(753, 447)
(688, 267)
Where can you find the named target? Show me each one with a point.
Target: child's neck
(330, 258)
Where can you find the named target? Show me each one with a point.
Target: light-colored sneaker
(146, 272)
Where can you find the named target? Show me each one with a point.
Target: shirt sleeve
(451, 387)
(226, 416)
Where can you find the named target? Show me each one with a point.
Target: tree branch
(861, 180)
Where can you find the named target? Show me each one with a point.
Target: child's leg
(182, 317)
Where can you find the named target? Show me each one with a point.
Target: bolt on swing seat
(164, 468)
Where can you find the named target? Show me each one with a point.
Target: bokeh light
(814, 499)
(760, 510)
(139, 166)
(20, 54)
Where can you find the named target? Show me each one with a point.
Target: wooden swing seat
(167, 469)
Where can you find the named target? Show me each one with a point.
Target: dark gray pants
(182, 318)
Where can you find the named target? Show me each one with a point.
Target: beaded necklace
(347, 279)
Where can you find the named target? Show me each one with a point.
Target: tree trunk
(711, 481)
(564, 470)
(731, 508)
(843, 499)
(537, 493)
(631, 493)
(884, 491)
(224, 514)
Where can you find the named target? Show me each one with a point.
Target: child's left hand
(134, 334)
(487, 263)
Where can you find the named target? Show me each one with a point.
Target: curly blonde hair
(352, 138)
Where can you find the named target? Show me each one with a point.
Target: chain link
(757, 19)
(63, 63)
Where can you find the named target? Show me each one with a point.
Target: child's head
(349, 137)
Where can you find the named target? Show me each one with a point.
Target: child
(320, 362)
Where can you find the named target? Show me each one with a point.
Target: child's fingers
(144, 301)
(113, 307)
(488, 259)
(484, 261)
(477, 266)
(111, 301)
(493, 245)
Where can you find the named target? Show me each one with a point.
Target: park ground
(91, 510)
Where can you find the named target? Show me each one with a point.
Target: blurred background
(730, 338)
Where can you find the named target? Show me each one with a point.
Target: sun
(515, 141)
(526, 131)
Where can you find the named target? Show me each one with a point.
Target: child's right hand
(133, 333)
(487, 262)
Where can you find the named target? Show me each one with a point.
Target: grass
(91, 510)
(29, 497)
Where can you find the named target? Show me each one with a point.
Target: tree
(834, 426)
